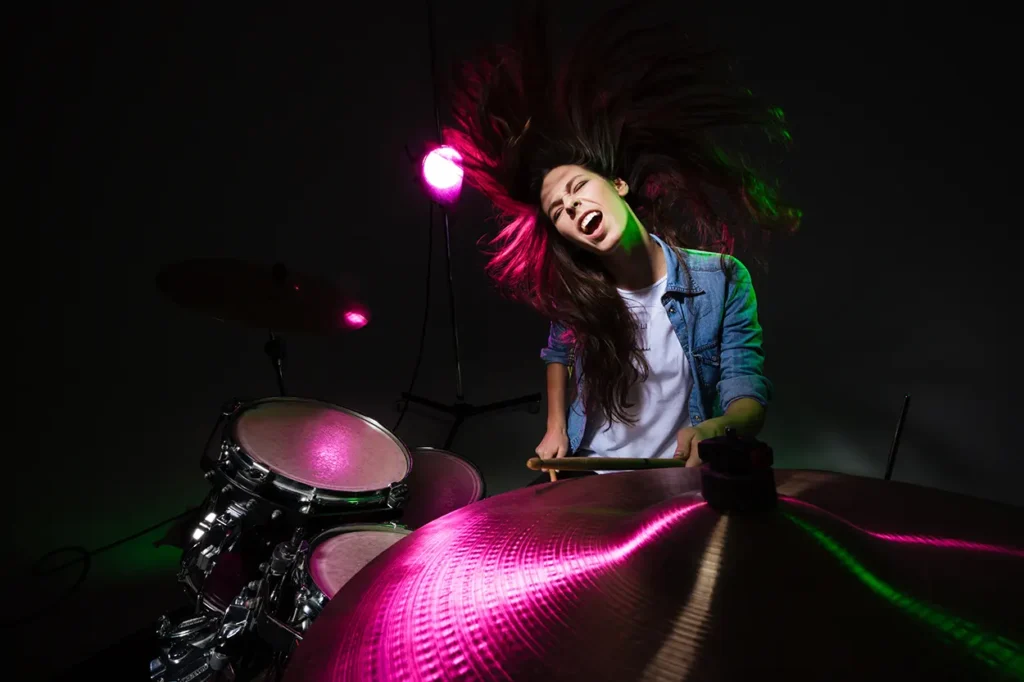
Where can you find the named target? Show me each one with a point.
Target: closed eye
(578, 187)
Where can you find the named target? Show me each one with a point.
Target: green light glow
(994, 650)
(138, 561)
(631, 235)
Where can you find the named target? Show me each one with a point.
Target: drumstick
(601, 464)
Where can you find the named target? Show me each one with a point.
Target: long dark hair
(633, 103)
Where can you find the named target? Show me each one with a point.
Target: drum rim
(231, 433)
(328, 533)
(471, 465)
(323, 536)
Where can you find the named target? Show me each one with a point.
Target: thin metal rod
(433, 67)
(275, 349)
(453, 308)
(896, 438)
(444, 210)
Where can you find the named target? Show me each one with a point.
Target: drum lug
(309, 500)
(217, 533)
(259, 472)
(398, 495)
(226, 450)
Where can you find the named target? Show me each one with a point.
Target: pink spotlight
(355, 319)
(442, 170)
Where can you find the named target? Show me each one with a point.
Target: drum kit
(328, 551)
(304, 493)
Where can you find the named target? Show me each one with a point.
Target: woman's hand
(687, 439)
(555, 444)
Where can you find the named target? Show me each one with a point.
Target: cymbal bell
(268, 297)
(632, 576)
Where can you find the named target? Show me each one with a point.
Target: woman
(604, 172)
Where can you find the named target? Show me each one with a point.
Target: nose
(570, 207)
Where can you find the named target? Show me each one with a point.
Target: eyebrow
(567, 190)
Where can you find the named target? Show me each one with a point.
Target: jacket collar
(679, 279)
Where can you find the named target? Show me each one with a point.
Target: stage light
(355, 319)
(442, 171)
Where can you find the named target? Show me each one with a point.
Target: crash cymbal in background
(264, 296)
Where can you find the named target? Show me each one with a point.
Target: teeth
(589, 219)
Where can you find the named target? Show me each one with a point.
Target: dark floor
(126, 660)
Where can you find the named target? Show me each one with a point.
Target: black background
(154, 133)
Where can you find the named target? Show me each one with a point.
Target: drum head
(440, 483)
(334, 561)
(321, 445)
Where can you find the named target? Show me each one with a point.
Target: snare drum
(287, 464)
(440, 483)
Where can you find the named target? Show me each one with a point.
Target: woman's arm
(746, 415)
(742, 356)
(557, 382)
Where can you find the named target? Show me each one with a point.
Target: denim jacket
(714, 313)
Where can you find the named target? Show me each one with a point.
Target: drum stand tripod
(460, 409)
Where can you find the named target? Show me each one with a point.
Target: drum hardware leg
(183, 655)
(463, 411)
(200, 647)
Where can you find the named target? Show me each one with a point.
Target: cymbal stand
(460, 410)
(275, 350)
(896, 439)
(274, 347)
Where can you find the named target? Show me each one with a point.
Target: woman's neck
(638, 262)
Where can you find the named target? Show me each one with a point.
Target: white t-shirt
(660, 404)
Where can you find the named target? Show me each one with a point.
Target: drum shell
(440, 483)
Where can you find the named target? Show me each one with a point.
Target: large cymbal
(261, 296)
(631, 576)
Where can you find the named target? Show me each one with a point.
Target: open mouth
(589, 222)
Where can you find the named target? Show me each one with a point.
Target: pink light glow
(443, 173)
(447, 604)
(945, 543)
(355, 319)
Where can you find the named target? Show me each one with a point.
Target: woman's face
(585, 208)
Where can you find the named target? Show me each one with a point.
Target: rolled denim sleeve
(558, 348)
(742, 374)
